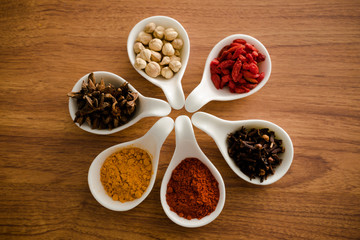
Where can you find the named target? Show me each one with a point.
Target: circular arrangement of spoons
(186, 144)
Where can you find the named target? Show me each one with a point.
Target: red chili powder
(192, 191)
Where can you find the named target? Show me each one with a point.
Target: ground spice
(126, 174)
(192, 191)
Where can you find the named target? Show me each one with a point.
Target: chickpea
(155, 56)
(146, 54)
(138, 46)
(175, 65)
(156, 44)
(177, 43)
(175, 58)
(140, 63)
(165, 60)
(150, 27)
(170, 34)
(168, 49)
(152, 69)
(159, 32)
(167, 73)
(144, 38)
(177, 53)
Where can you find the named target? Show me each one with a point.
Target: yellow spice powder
(126, 174)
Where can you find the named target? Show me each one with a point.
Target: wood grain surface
(313, 93)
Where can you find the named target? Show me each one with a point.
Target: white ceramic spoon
(152, 142)
(172, 87)
(206, 91)
(147, 107)
(186, 147)
(219, 129)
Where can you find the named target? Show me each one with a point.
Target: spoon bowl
(186, 147)
(152, 142)
(146, 107)
(219, 129)
(206, 91)
(172, 87)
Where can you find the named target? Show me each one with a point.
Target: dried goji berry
(233, 49)
(254, 68)
(214, 62)
(260, 58)
(261, 77)
(224, 56)
(249, 57)
(232, 85)
(249, 47)
(250, 86)
(242, 41)
(223, 84)
(255, 54)
(251, 80)
(246, 66)
(237, 53)
(226, 78)
(245, 88)
(214, 67)
(226, 64)
(237, 44)
(225, 71)
(236, 70)
(223, 50)
(229, 56)
(216, 80)
(242, 81)
(248, 74)
(242, 58)
(237, 67)
(239, 90)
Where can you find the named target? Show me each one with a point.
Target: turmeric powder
(126, 174)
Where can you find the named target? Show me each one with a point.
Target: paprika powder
(192, 191)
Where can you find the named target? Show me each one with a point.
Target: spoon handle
(159, 132)
(185, 136)
(154, 107)
(196, 99)
(213, 126)
(174, 94)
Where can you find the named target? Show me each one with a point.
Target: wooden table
(313, 93)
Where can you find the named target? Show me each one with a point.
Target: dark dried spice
(255, 151)
(103, 106)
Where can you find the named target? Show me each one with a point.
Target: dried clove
(255, 151)
(103, 106)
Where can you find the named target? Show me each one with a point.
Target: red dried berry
(248, 74)
(223, 50)
(226, 64)
(260, 58)
(216, 80)
(237, 67)
(249, 47)
(242, 58)
(237, 53)
(236, 70)
(242, 41)
(261, 77)
(225, 71)
(254, 68)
